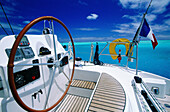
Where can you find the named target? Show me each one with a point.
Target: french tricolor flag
(146, 31)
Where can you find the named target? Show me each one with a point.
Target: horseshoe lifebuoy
(113, 45)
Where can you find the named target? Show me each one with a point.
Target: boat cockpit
(37, 73)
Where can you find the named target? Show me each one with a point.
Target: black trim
(145, 95)
(1, 88)
(138, 79)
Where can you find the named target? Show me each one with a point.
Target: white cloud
(8, 10)
(11, 17)
(151, 17)
(87, 29)
(26, 22)
(32, 30)
(126, 28)
(163, 37)
(18, 28)
(138, 18)
(157, 6)
(167, 22)
(133, 4)
(122, 31)
(133, 18)
(92, 17)
(160, 27)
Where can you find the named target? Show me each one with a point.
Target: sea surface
(155, 61)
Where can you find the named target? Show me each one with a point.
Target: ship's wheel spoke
(35, 64)
(64, 73)
(65, 54)
(49, 89)
(54, 42)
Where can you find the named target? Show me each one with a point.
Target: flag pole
(135, 41)
(140, 26)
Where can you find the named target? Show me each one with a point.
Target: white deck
(125, 76)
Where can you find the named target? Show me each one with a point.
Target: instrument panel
(18, 55)
(25, 52)
(24, 41)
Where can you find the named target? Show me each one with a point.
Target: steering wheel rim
(11, 63)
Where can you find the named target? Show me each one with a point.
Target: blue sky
(89, 20)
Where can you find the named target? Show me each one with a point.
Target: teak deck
(83, 84)
(73, 104)
(108, 97)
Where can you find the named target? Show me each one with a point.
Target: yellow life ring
(113, 45)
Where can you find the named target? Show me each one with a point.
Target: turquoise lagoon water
(155, 61)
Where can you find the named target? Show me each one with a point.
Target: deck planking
(109, 96)
(83, 84)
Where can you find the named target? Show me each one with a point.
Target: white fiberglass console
(33, 81)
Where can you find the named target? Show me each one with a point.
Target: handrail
(129, 57)
(104, 48)
(113, 42)
(92, 52)
(113, 55)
